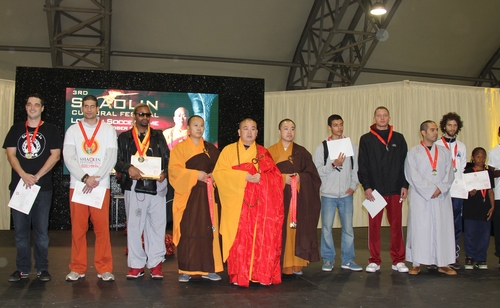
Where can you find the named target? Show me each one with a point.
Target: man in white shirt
(450, 125)
(494, 165)
(89, 153)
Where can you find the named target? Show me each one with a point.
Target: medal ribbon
(436, 155)
(330, 138)
(32, 139)
(483, 191)
(455, 151)
(293, 201)
(88, 143)
(382, 139)
(144, 145)
(210, 201)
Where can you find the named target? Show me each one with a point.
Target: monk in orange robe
(196, 227)
(300, 231)
(250, 189)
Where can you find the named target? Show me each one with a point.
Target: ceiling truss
(337, 41)
(491, 72)
(79, 36)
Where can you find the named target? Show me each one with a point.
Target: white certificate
(458, 189)
(374, 207)
(477, 180)
(337, 146)
(23, 198)
(150, 167)
(93, 199)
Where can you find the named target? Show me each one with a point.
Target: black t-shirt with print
(47, 138)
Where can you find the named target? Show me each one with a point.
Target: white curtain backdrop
(7, 89)
(409, 104)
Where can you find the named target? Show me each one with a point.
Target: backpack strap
(325, 151)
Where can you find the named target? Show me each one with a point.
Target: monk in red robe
(250, 188)
(302, 201)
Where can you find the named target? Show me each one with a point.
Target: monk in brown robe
(196, 227)
(250, 189)
(300, 227)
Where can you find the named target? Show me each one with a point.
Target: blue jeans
(39, 218)
(457, 216)
(328, 208)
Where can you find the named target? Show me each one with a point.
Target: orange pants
(80, 215)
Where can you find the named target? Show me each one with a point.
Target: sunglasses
(144, 114)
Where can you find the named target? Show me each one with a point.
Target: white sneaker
(372, 268)
(107, 276)
(74, 276)
(400, 267)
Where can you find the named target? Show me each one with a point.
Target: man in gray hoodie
(339, 180)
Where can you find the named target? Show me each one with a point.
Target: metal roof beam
(338, 39)
(90, 25)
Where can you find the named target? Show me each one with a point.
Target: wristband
(85, 177)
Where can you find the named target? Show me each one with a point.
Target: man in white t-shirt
(90, 148)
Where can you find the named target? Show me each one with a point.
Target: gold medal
(88, 150)
(141, 159)
(29, 155)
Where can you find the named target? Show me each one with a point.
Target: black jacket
(127, 148)
(382, 168)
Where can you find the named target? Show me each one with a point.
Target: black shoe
(456, 265)
(17, 275)
(44, 276)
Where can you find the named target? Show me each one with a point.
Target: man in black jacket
(382, 154)
(144, 194)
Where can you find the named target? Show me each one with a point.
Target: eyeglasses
(144, 114)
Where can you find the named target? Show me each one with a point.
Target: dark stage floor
(340, 288)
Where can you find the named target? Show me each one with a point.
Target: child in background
(477, 212)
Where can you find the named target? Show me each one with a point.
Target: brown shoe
(414, 270)
(447, 270)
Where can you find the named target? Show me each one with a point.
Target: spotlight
(378, 9)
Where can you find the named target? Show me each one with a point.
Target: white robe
(430, 232)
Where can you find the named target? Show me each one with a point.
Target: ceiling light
(378, 9)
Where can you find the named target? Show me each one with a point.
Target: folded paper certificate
(335, 147)
(93, 199)
(477, 180)
(23, 198)
(458, 189)
(374, 207)
(150, 166)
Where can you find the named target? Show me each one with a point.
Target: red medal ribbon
(330, 138)
(455, 151)
(293, 202)
(89, 142)
(210, 201)
(141, 148)
(382, 139)
(436, 155)
(483, 191)
(32, 139)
